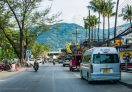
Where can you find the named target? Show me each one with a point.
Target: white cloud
(73, 11)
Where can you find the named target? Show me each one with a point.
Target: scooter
(36, 68)
(53, 63)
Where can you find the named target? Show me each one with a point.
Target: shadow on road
(103, 83)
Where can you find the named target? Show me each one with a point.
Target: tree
(127, 13)
(95, 6)
(116, 14)
(38, 49)
(7, 51)
(104, 14)
(24, 15)
(110, 6)
(92, 21)
(100, 7)
(6, 26)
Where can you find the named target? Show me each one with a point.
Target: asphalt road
(56, 78)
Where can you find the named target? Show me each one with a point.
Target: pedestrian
(13, 67)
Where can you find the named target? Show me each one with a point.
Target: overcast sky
(73, 11)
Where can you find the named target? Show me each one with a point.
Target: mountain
(65, 33)
(58, 38)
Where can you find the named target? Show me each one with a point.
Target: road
(56, 78)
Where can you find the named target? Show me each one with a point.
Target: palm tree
(95, 6)
(93, 21)
(104, 14)
(110, 6)
(127, 14)
(86, 26)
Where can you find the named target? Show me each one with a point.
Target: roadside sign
(118, 42)
(28, 52)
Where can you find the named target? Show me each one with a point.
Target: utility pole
(89, 26)
(76, 34)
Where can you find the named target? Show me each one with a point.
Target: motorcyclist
(36, 64)
(54, 60)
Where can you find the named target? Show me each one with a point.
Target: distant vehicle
(60, 60)
(31, 61)
(53, 54)
(75, 61)
(39, 60)
(67, 61)
(100, 63)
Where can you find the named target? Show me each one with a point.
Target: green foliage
(91, 21)
(21, 16)
(38, 49)
(127, 13)
(7, 51)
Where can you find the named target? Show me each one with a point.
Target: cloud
(73, 11)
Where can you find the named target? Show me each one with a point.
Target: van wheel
(89, 82)
(70, 68)
(115, 81)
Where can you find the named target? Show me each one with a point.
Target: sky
(73, 11)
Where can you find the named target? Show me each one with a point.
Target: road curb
(8, 76)
(126, 84)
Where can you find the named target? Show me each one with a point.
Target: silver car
(66, 62)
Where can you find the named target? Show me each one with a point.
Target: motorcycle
(36, 68)
(53, 62)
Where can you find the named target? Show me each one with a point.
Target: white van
(100, 63)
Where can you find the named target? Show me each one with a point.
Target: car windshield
(105, 58)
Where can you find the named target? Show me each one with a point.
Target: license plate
(106, 70)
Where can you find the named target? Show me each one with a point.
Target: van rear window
(105, 58)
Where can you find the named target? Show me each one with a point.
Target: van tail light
(91, 68)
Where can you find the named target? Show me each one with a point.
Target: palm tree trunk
(116, 19)
(92, 34)
(130, 22)
(95, 34)
(89, 34)
(98, 27)
(103, 27)
(89, 27)
(86, 34)
(108, 29)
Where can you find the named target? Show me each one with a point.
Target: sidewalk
(126, 79)
(6, 74)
